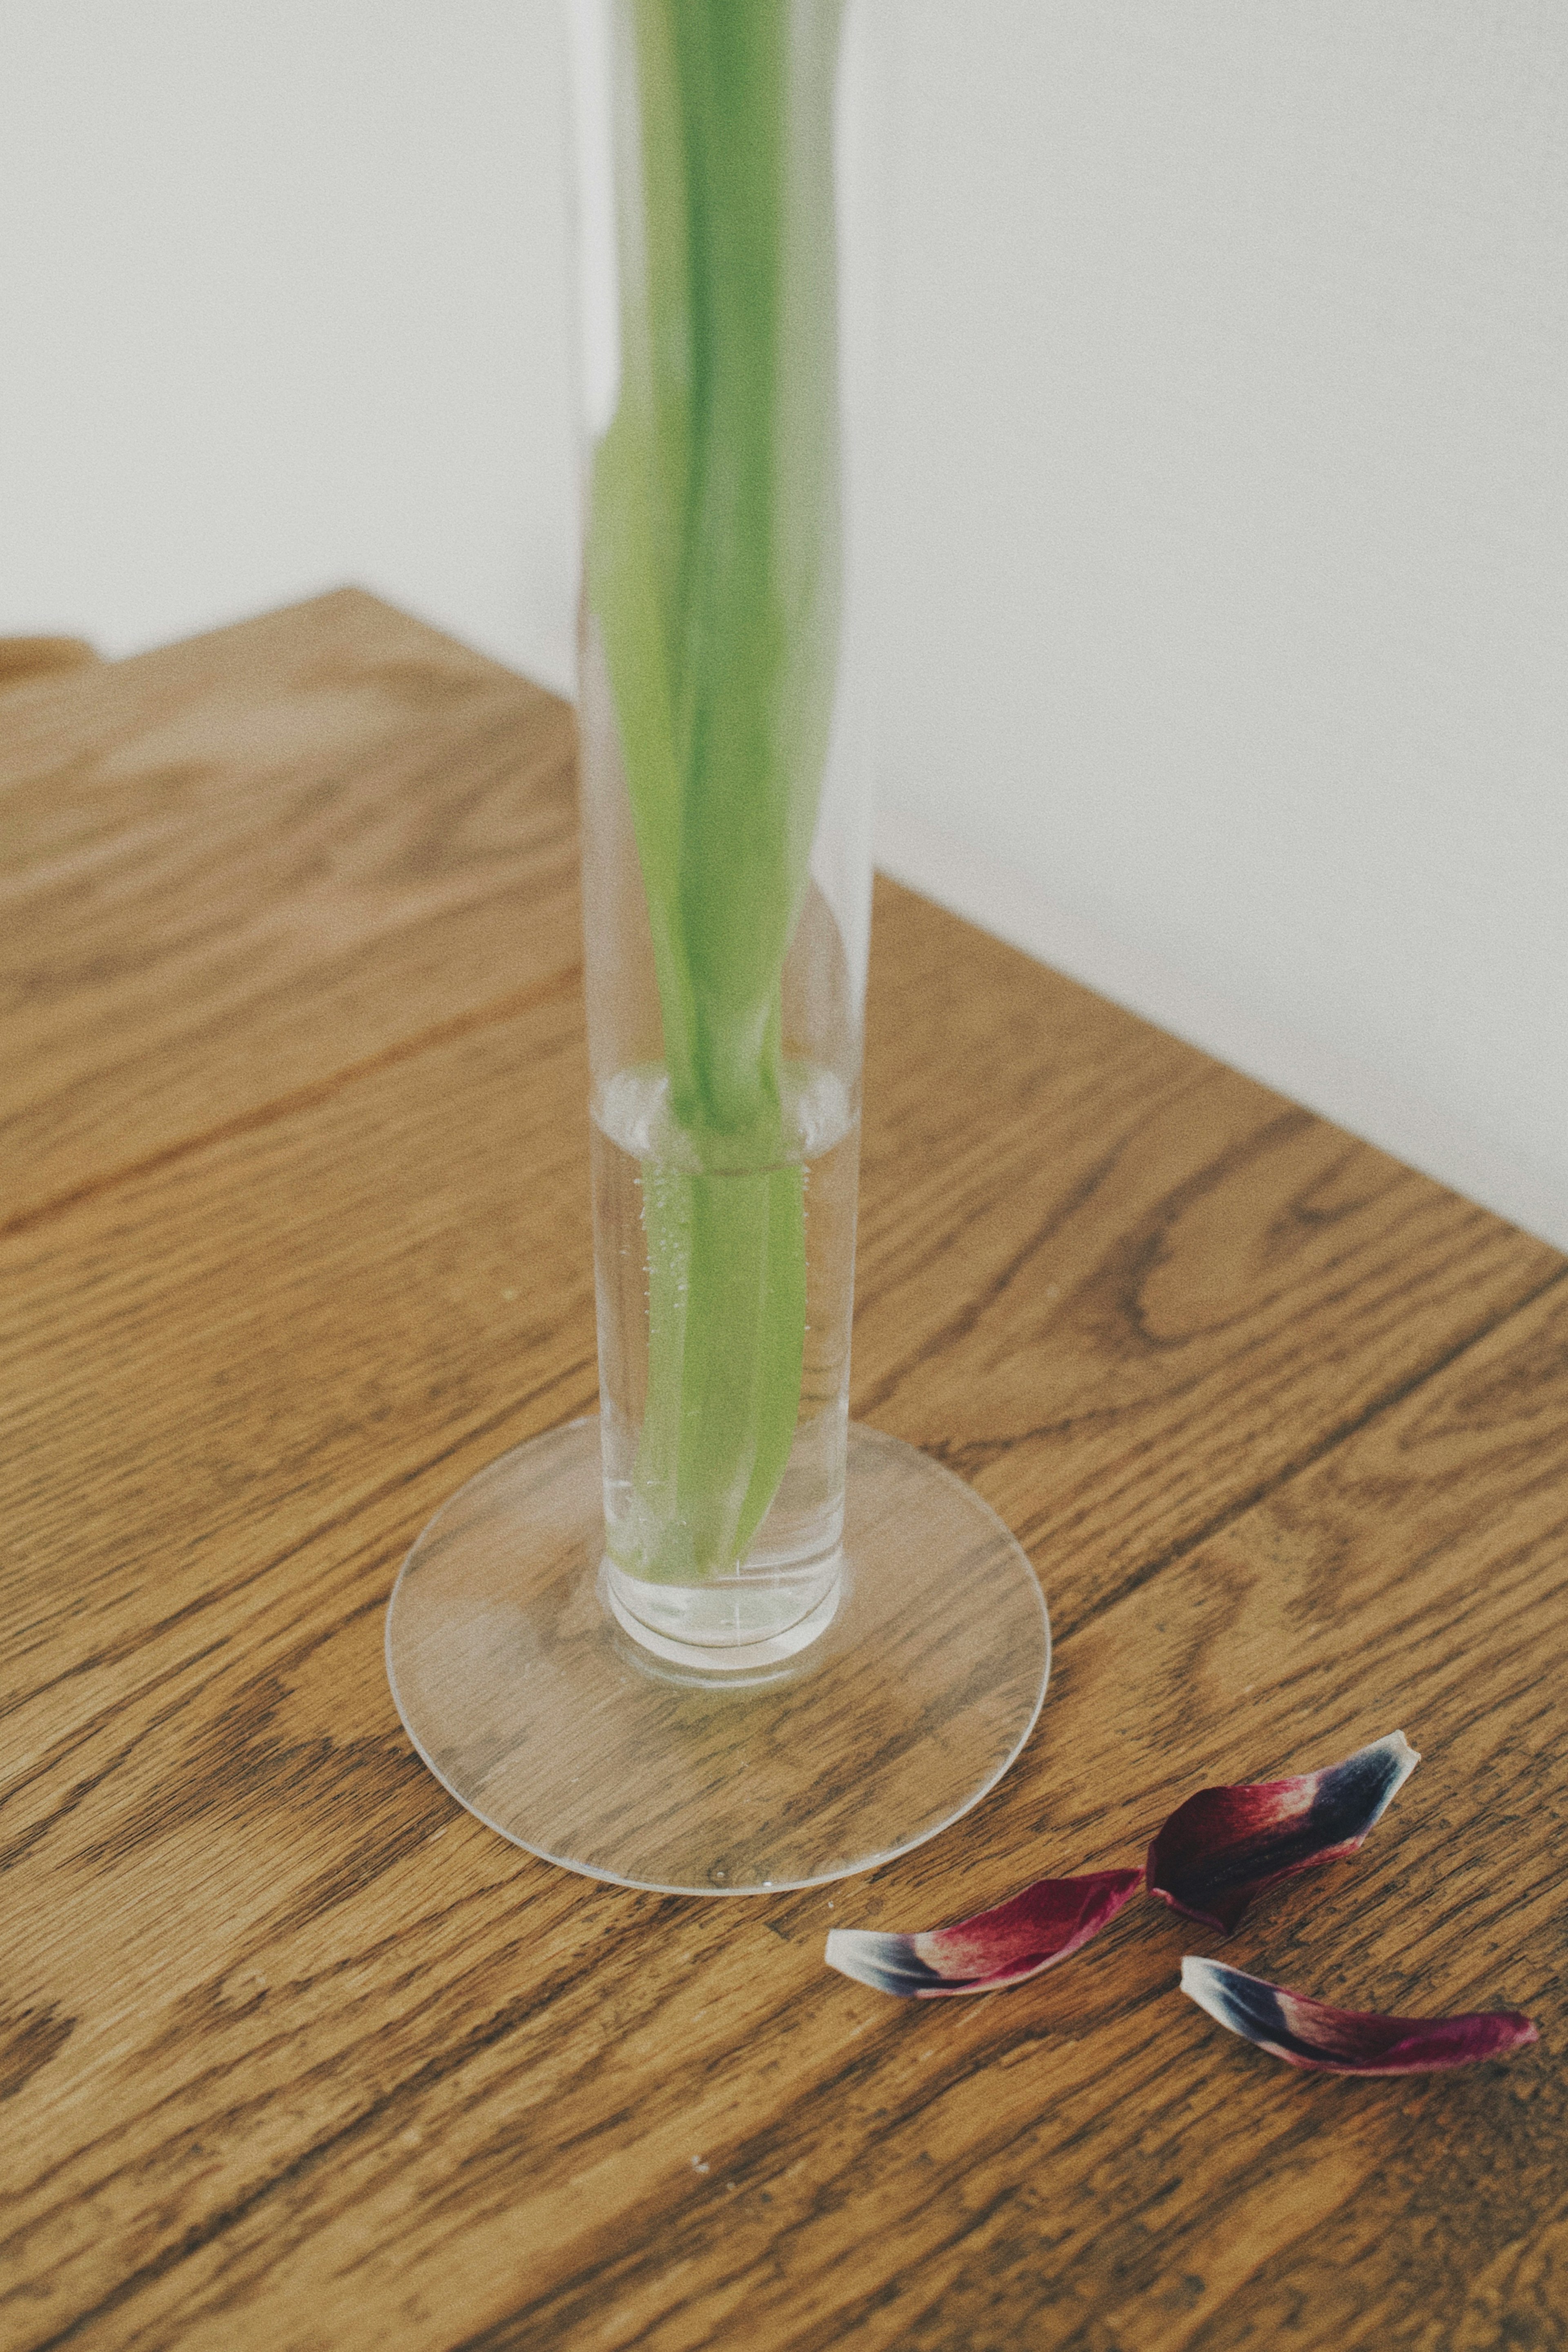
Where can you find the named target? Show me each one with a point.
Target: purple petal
(1226, 1845)
(1324, 2041)
(1048, 1921)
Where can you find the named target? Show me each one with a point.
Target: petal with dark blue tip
(1307, 2034)
(1045, 1924)
(1223, 1846)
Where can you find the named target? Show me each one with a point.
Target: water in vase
(723, 1430)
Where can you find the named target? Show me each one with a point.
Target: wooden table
(296, 1237)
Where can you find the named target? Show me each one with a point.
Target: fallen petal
(1324, 2041)
(1226, 1845)
(1045, 1924)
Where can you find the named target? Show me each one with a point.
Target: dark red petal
(1048, 1921)
(1226, 1845)
(1307, 2034)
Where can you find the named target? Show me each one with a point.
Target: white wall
(1229, 585)
(1233, 563)
(283, 286)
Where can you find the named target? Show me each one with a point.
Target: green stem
(713, 570)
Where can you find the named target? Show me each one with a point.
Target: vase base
(537, 1710)
(746, 1658)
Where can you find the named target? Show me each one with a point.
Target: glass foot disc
(539, 1714)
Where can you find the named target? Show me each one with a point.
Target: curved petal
(1048, 1921)
(1226, 1845)
(1323, 2041)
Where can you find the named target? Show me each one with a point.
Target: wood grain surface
(294, 2053)
(23, 659)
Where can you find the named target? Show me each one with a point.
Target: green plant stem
(713, 572)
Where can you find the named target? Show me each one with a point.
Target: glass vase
(718, 1639)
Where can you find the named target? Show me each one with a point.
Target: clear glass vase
(726, 792)
(720, 1639)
